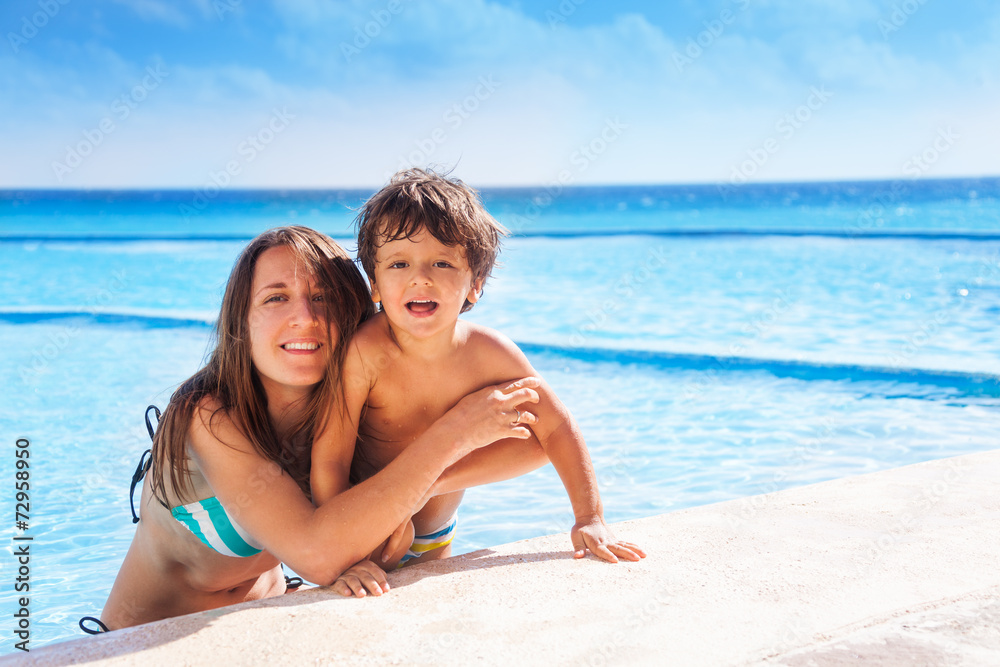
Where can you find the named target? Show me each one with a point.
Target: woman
(226, 500)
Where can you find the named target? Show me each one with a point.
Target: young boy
(428, 245)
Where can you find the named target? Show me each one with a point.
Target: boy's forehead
(420, 240)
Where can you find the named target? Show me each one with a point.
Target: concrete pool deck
(895, 567)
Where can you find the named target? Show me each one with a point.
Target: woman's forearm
(349, 526)
(500, 461)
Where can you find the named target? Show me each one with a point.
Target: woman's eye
(274, 298)
(319, 297)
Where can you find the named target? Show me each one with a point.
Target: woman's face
(288, 329)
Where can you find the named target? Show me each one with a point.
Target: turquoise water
(713, 344)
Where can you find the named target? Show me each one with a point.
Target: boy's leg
(397, 554)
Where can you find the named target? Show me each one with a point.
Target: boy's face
(423, 284)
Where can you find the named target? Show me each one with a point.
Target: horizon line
(535, 186)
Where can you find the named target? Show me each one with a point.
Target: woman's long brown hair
(230, 378)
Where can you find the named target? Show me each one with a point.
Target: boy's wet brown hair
(450, 211)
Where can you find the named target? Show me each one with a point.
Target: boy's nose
(421, 277)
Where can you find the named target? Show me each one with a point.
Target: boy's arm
(333, 448)
(563, 443)
(504, 459)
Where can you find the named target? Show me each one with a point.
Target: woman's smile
(287, 323)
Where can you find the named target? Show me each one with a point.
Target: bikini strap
(92, 631)
(140, 472)
(142, 468)
(149, 427)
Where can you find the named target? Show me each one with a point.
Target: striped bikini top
(211, 523)
(207, 519)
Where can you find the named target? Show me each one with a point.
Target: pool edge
(893, 564)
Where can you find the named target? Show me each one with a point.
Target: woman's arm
(320, 543)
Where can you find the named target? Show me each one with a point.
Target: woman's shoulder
(207, 412)
(210, 424)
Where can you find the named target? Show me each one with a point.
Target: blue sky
(302, 93)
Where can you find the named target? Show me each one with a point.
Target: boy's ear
(376, 297)
(475, 291)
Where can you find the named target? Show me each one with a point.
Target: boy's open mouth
(421, 306)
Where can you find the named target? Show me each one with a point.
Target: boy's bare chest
(407, 399)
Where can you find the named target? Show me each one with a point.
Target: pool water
(712, 345)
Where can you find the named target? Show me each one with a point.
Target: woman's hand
(360, 579)
(494, 413)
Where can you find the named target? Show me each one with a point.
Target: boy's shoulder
(368, 345)
(491, 345)
(477, 334)
(375, 331)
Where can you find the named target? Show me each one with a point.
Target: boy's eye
(442, 264)
(398, 265)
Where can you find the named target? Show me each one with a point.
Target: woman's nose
(304, 312)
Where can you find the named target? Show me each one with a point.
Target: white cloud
(157, 11)
(555, 90)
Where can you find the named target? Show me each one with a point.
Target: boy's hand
(359, 577)
(594, 534)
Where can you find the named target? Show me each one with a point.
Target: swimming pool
(712, 345)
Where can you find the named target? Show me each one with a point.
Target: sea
(714, 342)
